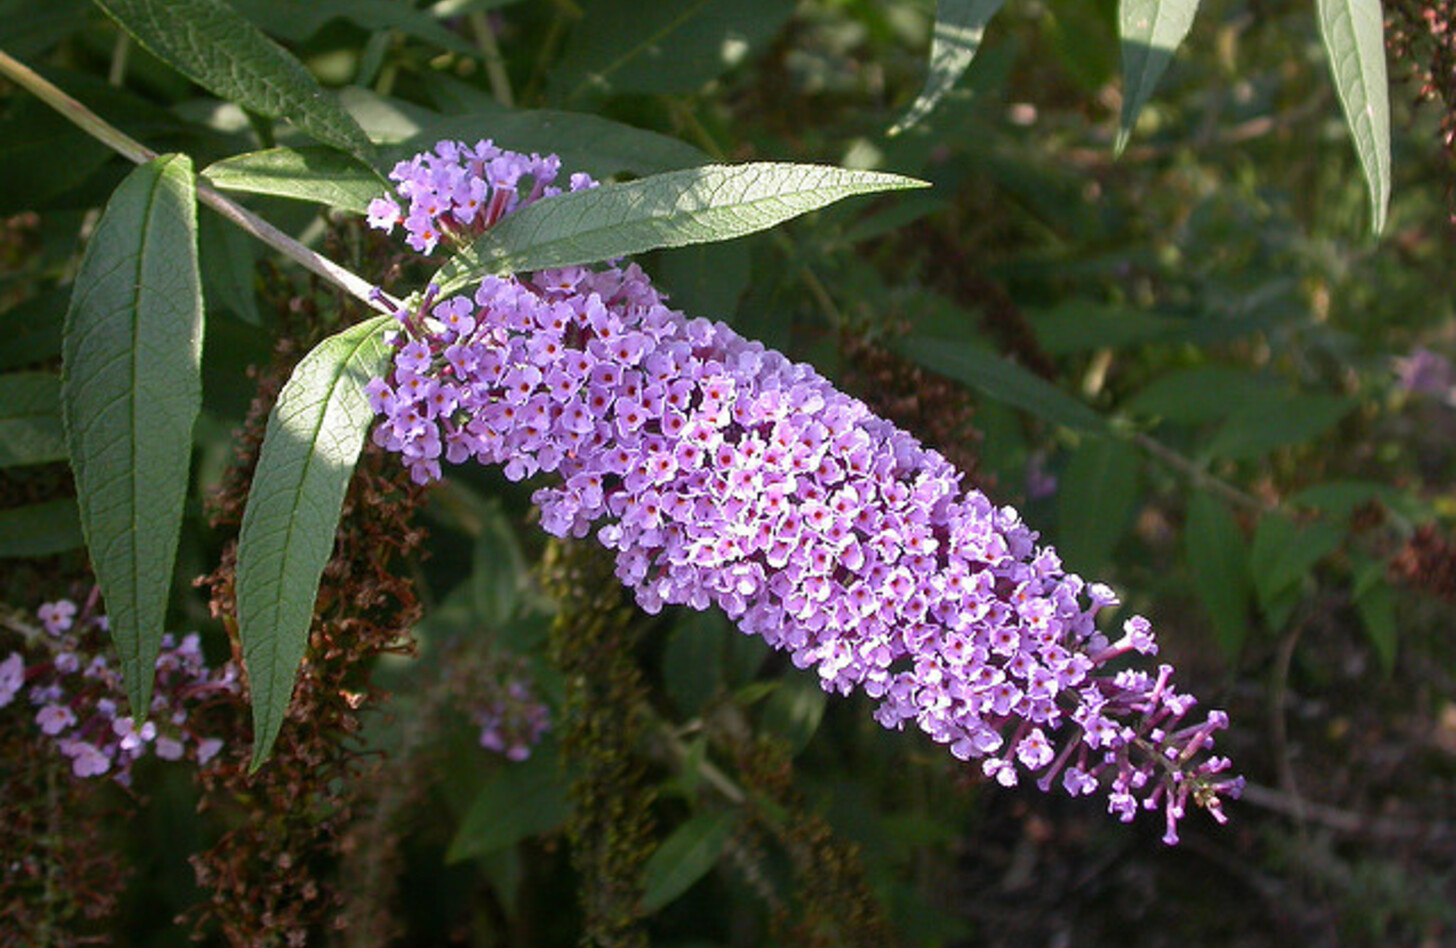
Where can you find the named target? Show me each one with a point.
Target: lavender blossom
(722, 474)
(78, 703)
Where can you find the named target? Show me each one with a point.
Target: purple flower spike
(722, 474)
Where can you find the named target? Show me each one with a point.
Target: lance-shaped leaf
(1354, 35)
(673, 209)
(1004, 381)
(321, 175)
(30, 419)
(40, 529)
(130, 392)
(685, 857)
(1151, 31)
(959, 26)
(314, 436)
(216, 47)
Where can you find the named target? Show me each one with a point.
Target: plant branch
(129, 148)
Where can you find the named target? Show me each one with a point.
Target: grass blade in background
(314, 436)
(1152, 31)
(130, 392)
(1354, 35)
(673, 209)
(959, 26)
(216, 47)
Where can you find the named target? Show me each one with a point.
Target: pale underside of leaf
(131, 391)
(673, 209)
(311, 445)
(1152, 31)
(1354, 37)
(213, 45)
(959, 28)
(320, 175)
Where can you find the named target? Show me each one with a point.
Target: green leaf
(1354, 37)
(40, 529)
(500, 575)
(1375, 600)
(673, 209)
(1082, 326)
(30, 419)
(1003, 381)
(1285, 552)
(959, 26)
(794, 709)
(1199, 394)
(1280, 420)
(663, 48)
(600, 147)
(314, 436)
(1219, 560)
(213, 45)
(692, 660)
(299, 20)
(32, 329)
(1095, 501)
(1151, 32)
(311, 173)
(685, 857)
(519, 801)
(229, 258)
(130, 391)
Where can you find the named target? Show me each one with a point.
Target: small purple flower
(12, 678)
(57, 616)
(54, 718)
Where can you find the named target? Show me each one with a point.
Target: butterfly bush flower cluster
(79, 699)
(723, 474)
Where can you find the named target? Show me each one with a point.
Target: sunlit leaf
(219, 49)
(1151, 32)
(1354, 36)
(672, 209)
(685, 857)
(320, 175)
(314, 436)
(130, 390)
(959, 26)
